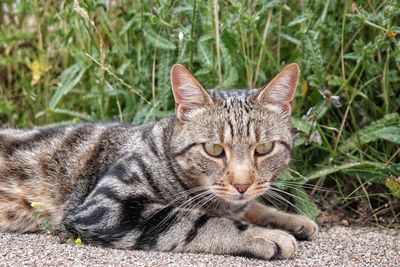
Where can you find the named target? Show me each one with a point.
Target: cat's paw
(271, 244)
(302, 227)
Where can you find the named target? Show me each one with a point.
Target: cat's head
(233, 143)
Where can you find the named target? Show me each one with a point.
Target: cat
(186, 183)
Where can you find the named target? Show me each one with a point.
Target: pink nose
(241, 187)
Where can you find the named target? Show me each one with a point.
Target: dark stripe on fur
(147, 131)
(58, 163)
(174, 180)
(231, 127)
(131, 213)
(289, 147)
(149, 177)
(240, 225)
(7, 195)
(247, 254)
(15, 171)
(278, 251)
(92, 218)
(167, 140)
(29, 143)
(173, 247)
(107, 192)
(184, 150)
(104, 152)
(200, 222)
(120, 172)
(155, 226)
(87, 204)
(300, 235)
(240, 208)
(147, 135)
(69, 145)
(153, 147)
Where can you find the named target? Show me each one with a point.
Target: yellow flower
(78, 241)
(394, 185)
(391, 34)
(304, 88)
(353, 7)
(38, 68)
(35, 205)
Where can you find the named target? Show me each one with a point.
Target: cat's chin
(238, 199)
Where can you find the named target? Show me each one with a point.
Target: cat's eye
(264, 148)
(214, 150)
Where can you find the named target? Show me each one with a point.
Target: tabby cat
(187, 183)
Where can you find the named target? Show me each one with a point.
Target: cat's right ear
(189, 94)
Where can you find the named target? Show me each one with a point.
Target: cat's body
(187, 183)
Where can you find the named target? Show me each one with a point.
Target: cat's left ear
(282, 88)
(189, 94)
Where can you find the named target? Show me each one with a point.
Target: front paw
(270, 244)
(302, 227)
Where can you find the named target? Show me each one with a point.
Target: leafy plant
(110, 60)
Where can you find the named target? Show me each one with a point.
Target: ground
(335, 246)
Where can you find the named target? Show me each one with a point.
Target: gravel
(336, 246)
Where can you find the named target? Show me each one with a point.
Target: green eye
(264, 148)
(214, 150)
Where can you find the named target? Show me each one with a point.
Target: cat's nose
(241, 187)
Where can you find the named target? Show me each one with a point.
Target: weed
(46, 224)
(110, 60)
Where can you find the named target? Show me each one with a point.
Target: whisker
(179, 209)
(301, 184)
(270, 200)
(198, 206)
(277, 196)
(290, 194)
(221, 190)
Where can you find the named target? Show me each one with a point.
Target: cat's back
(56, 167)
(37, 150)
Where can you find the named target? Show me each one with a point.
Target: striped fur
(153, 187)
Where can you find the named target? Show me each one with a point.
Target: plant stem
(217, 43)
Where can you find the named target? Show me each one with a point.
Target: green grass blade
(304, 203)
(159, 41)
(69, 78)
(386, 128)
(336, 168)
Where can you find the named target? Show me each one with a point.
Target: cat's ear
(189, 94)
(282, 88)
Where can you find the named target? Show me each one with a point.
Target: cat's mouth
(232, 195)
(236, 198)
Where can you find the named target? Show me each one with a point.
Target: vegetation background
(65, 62)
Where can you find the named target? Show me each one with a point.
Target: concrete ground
(336, 246)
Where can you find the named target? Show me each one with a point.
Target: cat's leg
(141, 221)
(300, 226)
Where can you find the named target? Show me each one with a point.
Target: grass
(61, 65)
